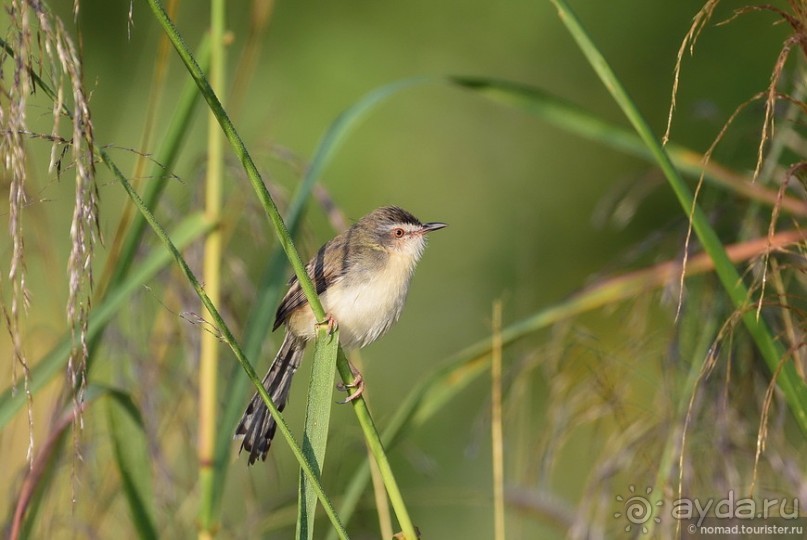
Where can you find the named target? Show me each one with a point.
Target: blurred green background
(535, 214)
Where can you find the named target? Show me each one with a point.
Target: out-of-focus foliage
(593, 405)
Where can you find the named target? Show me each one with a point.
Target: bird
(362, 278)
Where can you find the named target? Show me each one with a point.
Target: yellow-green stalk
(209, 353)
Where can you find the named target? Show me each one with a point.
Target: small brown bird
(362, 277)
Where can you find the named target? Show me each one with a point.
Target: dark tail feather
(257, 427)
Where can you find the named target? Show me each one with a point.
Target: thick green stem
(213, 252)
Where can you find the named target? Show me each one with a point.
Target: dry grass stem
(496, 429)
(37, 470)
(707, 156)
(762, 433)
(698, 23)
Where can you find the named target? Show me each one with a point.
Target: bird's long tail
(257, 427)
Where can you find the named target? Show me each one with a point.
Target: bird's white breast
(364, 305)
(364, 309)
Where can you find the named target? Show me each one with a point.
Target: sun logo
(638, 510)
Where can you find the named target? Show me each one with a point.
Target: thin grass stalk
(792, 386)
(227, 336)
(12, 125)
(496, 431)
(381, 499)
(213, 252)
(53, 468)
(790, 320)
(777, 145)
(779, 140)
(373, 441)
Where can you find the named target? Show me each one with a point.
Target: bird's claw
(329, 323)
(358, 384)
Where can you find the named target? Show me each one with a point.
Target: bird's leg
(358, 384)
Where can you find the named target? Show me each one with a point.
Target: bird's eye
(398, 232)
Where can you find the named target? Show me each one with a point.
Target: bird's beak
(433, 226)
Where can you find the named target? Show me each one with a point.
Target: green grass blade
(130, 448)
(317, 418)
(54, 362)
(788, 380)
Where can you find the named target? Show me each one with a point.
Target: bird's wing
(323, 275)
